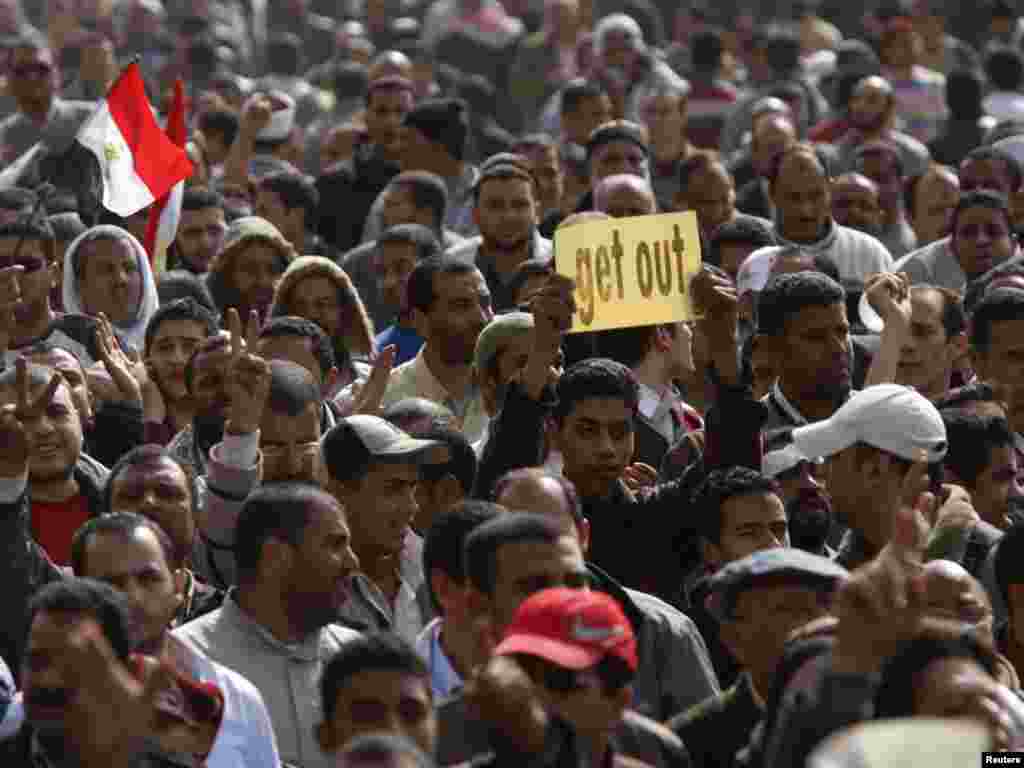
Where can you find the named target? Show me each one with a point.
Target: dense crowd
(331, 483)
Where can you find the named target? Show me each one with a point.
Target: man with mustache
(247, 269)
(872, 115)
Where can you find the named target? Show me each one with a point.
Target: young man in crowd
(376, 683)
(399, 250)
(372, 467)
(450, 305)
(201, 230)
(288, 200)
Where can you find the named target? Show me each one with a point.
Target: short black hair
(36, 228)
(198, 198)
(899, 679)
(372, 651)
(419, 237)
(982, 285)
(274, 511)
(575, 92)
(462, 462)
(182, 284)
(1000, 305)
(482, 545)
(718, 487)
(592, 378)
(301, 328)
(788, 294)
(222, 121)
(981, 198)
(965, 89)
(706, 49)
(445, 542)
(420, 287)
(181, 309)
(990, 154)
(1004, 66)
(971, 440)
(1009, 563)
(292, 388)
(427, 190)
(295, 190)
(88, 597)
(123, 524)
(505, 170)
(740, 231)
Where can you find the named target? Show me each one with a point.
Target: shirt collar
(429, 387)
(307, 650)
(443, 678)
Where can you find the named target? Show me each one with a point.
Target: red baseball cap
(571, 628)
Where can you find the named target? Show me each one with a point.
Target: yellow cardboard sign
(630, 272)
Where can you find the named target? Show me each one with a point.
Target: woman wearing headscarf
(107, 271)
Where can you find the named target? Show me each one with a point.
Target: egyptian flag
(139, 164)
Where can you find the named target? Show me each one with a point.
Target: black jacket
(637, 538)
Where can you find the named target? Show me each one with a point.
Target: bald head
(537, 492)
(624, 195)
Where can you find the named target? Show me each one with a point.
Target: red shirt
(54, 525)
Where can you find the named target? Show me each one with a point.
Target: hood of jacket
(134, 333)
(358, 329)
(242, 232)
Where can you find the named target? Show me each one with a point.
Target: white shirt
(245, 738)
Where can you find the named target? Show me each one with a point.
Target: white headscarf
(617, 22)
(134, 334)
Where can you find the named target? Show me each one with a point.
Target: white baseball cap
(756, 269)
(890, 417)
(782, 460)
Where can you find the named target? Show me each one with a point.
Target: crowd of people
(331, 483)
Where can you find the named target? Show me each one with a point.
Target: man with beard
(135, 556)
(872, 114)
(450, 305)
(247, 269)
(855, 203)
(802, 323)
(295, 565)
(201, 230)
(505, 211)
(801, 486)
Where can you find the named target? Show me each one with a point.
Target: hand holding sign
(552, 307)
(630, 272)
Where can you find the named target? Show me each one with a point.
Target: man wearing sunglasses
(578, 649)
(33, 79)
